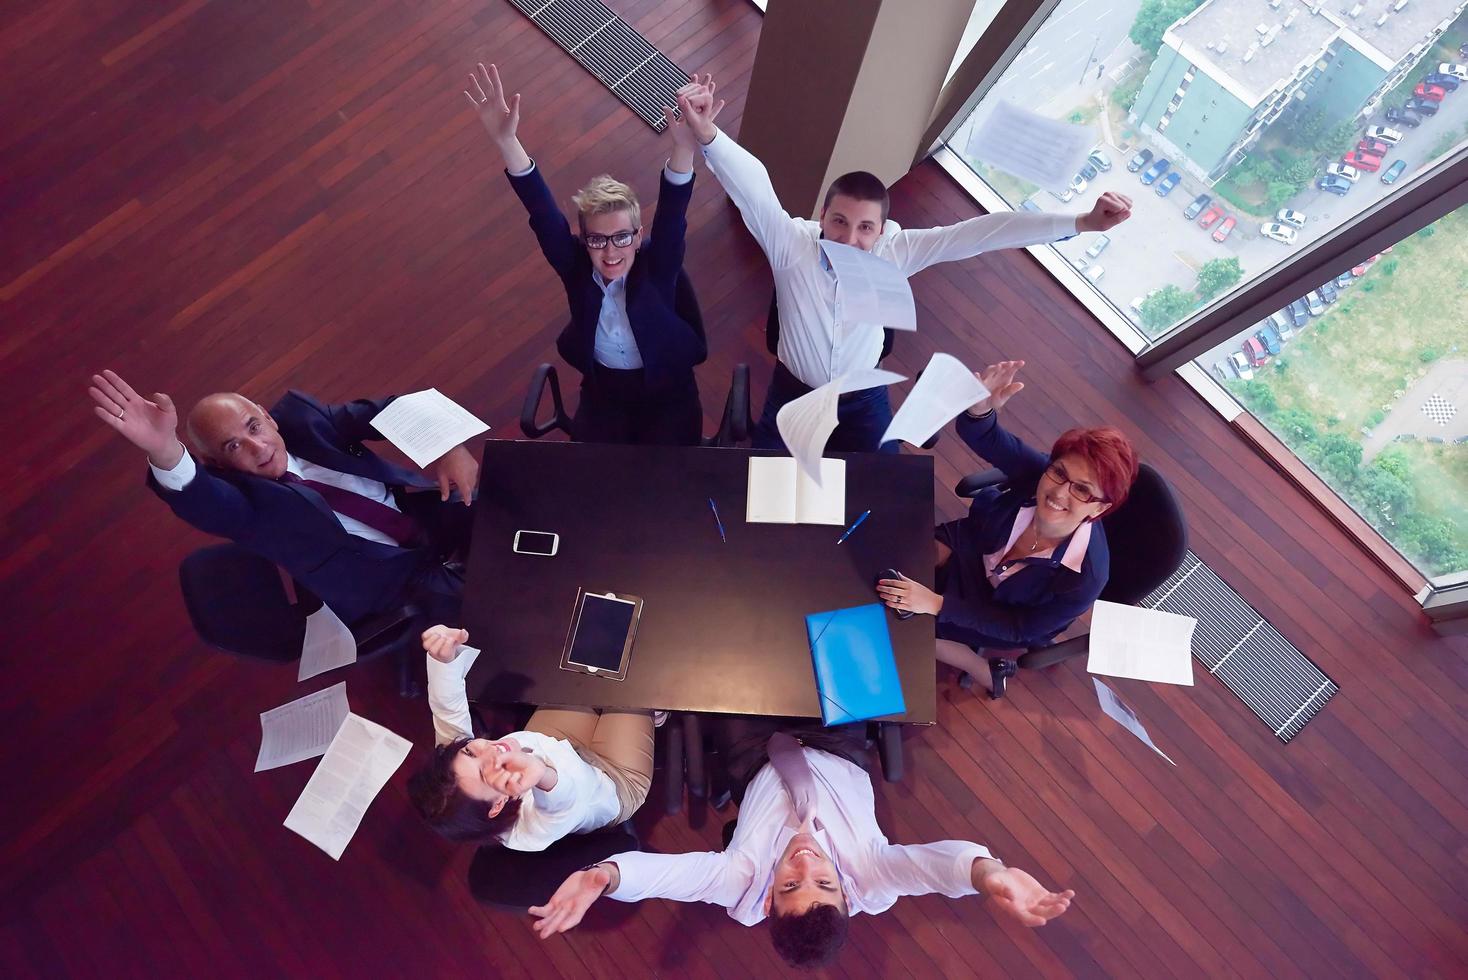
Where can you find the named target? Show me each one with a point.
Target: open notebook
(780, 492)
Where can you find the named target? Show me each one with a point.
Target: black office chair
(1146, 536)
(519, 879)
(238, 603)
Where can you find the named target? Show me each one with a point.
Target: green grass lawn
(1440, 474)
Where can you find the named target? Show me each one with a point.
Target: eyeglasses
(1083, 492)
(621, 239)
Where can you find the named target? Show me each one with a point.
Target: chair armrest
(889, 750)
(970, 485)
(693, 755)
(736, 413)
(544, 374)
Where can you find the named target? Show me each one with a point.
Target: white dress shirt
(874, 873)
(615, 347)
(183, 472)
(814, 343)
(584, 798)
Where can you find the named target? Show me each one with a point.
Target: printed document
(360, 760)
(869, 289)
(301, 729)
(426, 424)
(1121, 712)
(1144, 644)
(1030, 146)
(943, 390)
(327, 646)
(807, 422)
(780, 492)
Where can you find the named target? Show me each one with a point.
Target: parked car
(1098, 246)
(1283, 324)
(1362, 161)
(1360, 270)
(1210, 216)
(1424, 107)
(1333, 184)
(1384, 135)
(1376, 148)
(1343, 171)
(1241, 366)
(1029, 205)
(1270, 338)
(1219, 371)
(1139, 161)
(1432, 93)
(1255, 352)
(1445, 82)
(1401, 117)
(1078, 184)
(1295, 219)
(1345, 280)
(1136, 304)
(1100, 160)
(1063, 196)
(1222, 231)
(1093, 273)
(1158, 168)
(1283, 234)
(1328, 292)
(1390, 174)
(1299, 313)
(1460, 72)
(1088, 171)
(1315, 302)
(1199, 203)
(1166, 184)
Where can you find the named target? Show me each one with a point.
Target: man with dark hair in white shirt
(807, 854)
(816, 344)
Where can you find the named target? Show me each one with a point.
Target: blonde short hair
(604, 194)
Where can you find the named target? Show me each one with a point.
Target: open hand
(905, 595)
(442, 642)
(999, 379)
(696, 102)
(1018, 895)
(1110, 210)
(501, 118)
(570, 902)
(151, 425)
(456, 470)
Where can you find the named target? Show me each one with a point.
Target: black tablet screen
(601, 632)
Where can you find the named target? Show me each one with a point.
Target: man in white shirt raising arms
(807, 854)
(816, 344)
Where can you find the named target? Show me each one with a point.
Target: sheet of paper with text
(301, 729)
(328, 644)
(870, 289)
(944, 389)
(1027, 145)
(359, 761)
(426, 424)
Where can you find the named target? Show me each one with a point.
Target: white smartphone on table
(542, 543)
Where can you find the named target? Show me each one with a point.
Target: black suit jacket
(292, 525)
(661, 308)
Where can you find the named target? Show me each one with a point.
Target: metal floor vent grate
(625, 62)
(1238, 647)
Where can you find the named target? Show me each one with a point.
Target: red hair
(1110, 455)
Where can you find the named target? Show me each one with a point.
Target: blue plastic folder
(856, 673)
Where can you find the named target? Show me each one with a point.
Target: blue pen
(717, 521)
(864, 515)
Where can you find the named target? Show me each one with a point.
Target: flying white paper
(944, 389)
(361, 758)
(869, 289)
(1119, 711)
(426, 424)
(807, 422)
(328, 644)
(301, 729)
(1145, 644)
(1028, 145)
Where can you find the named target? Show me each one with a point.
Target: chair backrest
(1147, 537)
(772, 331)
(545, 375)
(238, 603)
(520, 879)
(734, 424)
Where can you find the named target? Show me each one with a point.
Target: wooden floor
(267, 193)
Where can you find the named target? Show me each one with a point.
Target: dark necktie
(793, 768)
(375, 514)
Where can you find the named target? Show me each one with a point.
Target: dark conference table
(723, 625)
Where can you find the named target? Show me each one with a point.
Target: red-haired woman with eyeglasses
(1031, 555)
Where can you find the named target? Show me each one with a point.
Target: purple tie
(788, 757)
(375, 514)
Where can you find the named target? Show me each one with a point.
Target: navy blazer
(1040, 600)
(291, 525)
(669, 344)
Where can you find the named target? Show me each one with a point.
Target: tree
(1429, 537)
(1153, 20)
(1340, 139)
(1296, 427)
(1217, 276)
(1395, 462)
(1259, 397)
(1281, 191)
(1383, 493)
(1165, 307)
(1308, 128)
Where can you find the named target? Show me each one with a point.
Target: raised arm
(448, 663)
(744, 178)
(979, 426)
(501, 117)
(708, 876)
